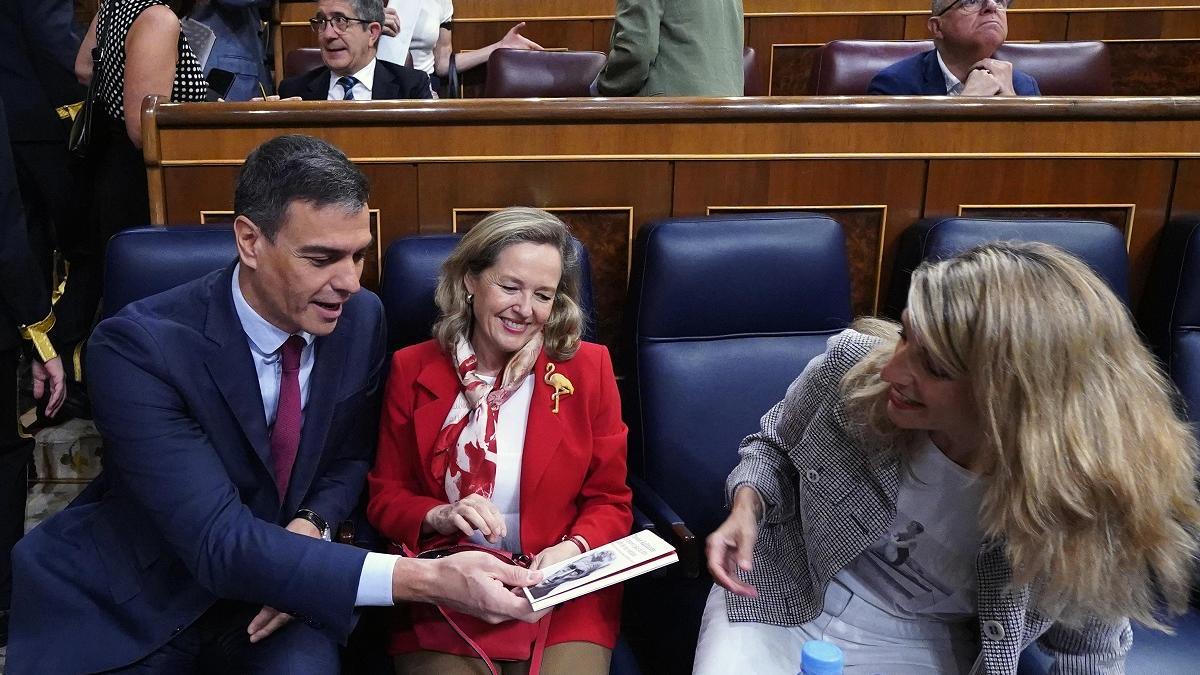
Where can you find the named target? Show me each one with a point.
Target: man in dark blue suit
(239, 418)
(966, 33)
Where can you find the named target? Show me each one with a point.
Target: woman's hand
(514, 40)
(731, 546)
(555, 554)
(391, 22)
(466, 515)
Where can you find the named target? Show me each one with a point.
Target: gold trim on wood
(882, 208)
(1131, 210)
(454, 211)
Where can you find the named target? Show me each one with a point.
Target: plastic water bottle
(821, 658)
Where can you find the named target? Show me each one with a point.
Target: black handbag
(81, 128)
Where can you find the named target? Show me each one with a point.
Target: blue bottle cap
(821, 658)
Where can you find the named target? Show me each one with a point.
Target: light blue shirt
(265, 339)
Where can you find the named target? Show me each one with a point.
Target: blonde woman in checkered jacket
(1005, 467)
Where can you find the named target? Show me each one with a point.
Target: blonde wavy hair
(478, 251)
(1091, 472)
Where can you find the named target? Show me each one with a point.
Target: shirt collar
(953, 84)
(264, 336)
(366, 76)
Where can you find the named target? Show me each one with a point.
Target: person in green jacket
(674, 48)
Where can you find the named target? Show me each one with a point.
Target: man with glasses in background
(348, 32)
(966, 33)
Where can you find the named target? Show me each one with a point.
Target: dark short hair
(293, 168)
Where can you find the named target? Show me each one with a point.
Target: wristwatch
(317, 521)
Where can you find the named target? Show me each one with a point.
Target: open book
(600, 567)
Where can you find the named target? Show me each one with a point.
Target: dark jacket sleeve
(24, 295)
(420, 87)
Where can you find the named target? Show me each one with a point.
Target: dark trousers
(217, 642)
(14, 465)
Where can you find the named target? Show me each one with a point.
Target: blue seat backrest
(1170, 309)
(1098, 244)
(724, 313)
(410, 273)
(143, 261)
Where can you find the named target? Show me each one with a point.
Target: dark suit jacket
(392, 81)
(37, 66)
(921, 75)
(572, 472)
(186, 510)
(24, 298)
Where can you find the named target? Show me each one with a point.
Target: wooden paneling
(1186, 200)
(790, 73)
(888, 192)
(1140, 25)
(1052, 186)
(1167, 68)
(876, 165)
(573, 35)
(603, 202)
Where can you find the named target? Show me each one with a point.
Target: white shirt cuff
(375, 582)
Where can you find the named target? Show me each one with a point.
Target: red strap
(539, 643)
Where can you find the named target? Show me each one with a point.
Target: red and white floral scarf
(465, 449)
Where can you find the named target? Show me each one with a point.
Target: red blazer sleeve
(398, 499)
(604, 502)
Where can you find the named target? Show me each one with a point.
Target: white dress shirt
(362, 89)
(954, 86)
(265, 339)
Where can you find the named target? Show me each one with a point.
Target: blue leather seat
(143, 261)
(1098, 244)
(723, 313)
(1170, 312)
(410, 272)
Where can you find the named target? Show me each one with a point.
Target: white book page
(395, 49)
(601, 567)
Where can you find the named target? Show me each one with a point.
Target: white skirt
(873, 641)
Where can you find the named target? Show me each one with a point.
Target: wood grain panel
(602, 35)
(793, 75)
(1186, 200)
(1158, 68)
(574, 35)
(1022, 26)
(1040, 184)
(818, 186)
(594, 198)
(1140, 25)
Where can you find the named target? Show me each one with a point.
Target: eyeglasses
(340, 23)
(975, 6)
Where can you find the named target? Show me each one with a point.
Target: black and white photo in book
(637, 554)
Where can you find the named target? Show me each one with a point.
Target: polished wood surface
(877, 165)
(1155, 44)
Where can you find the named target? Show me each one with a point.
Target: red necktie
(285, 435)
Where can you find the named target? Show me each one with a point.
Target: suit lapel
(318, 87)
(543, 433)
(328, 362)
(232, 368)
(437, 378)
(384, 87)
(935, 82)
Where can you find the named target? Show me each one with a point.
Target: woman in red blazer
(505, 430)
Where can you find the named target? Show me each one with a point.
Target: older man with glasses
(966, 33)
(348, 32)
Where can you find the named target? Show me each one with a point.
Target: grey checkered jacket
(828, 499)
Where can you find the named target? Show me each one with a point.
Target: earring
(470, 298)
